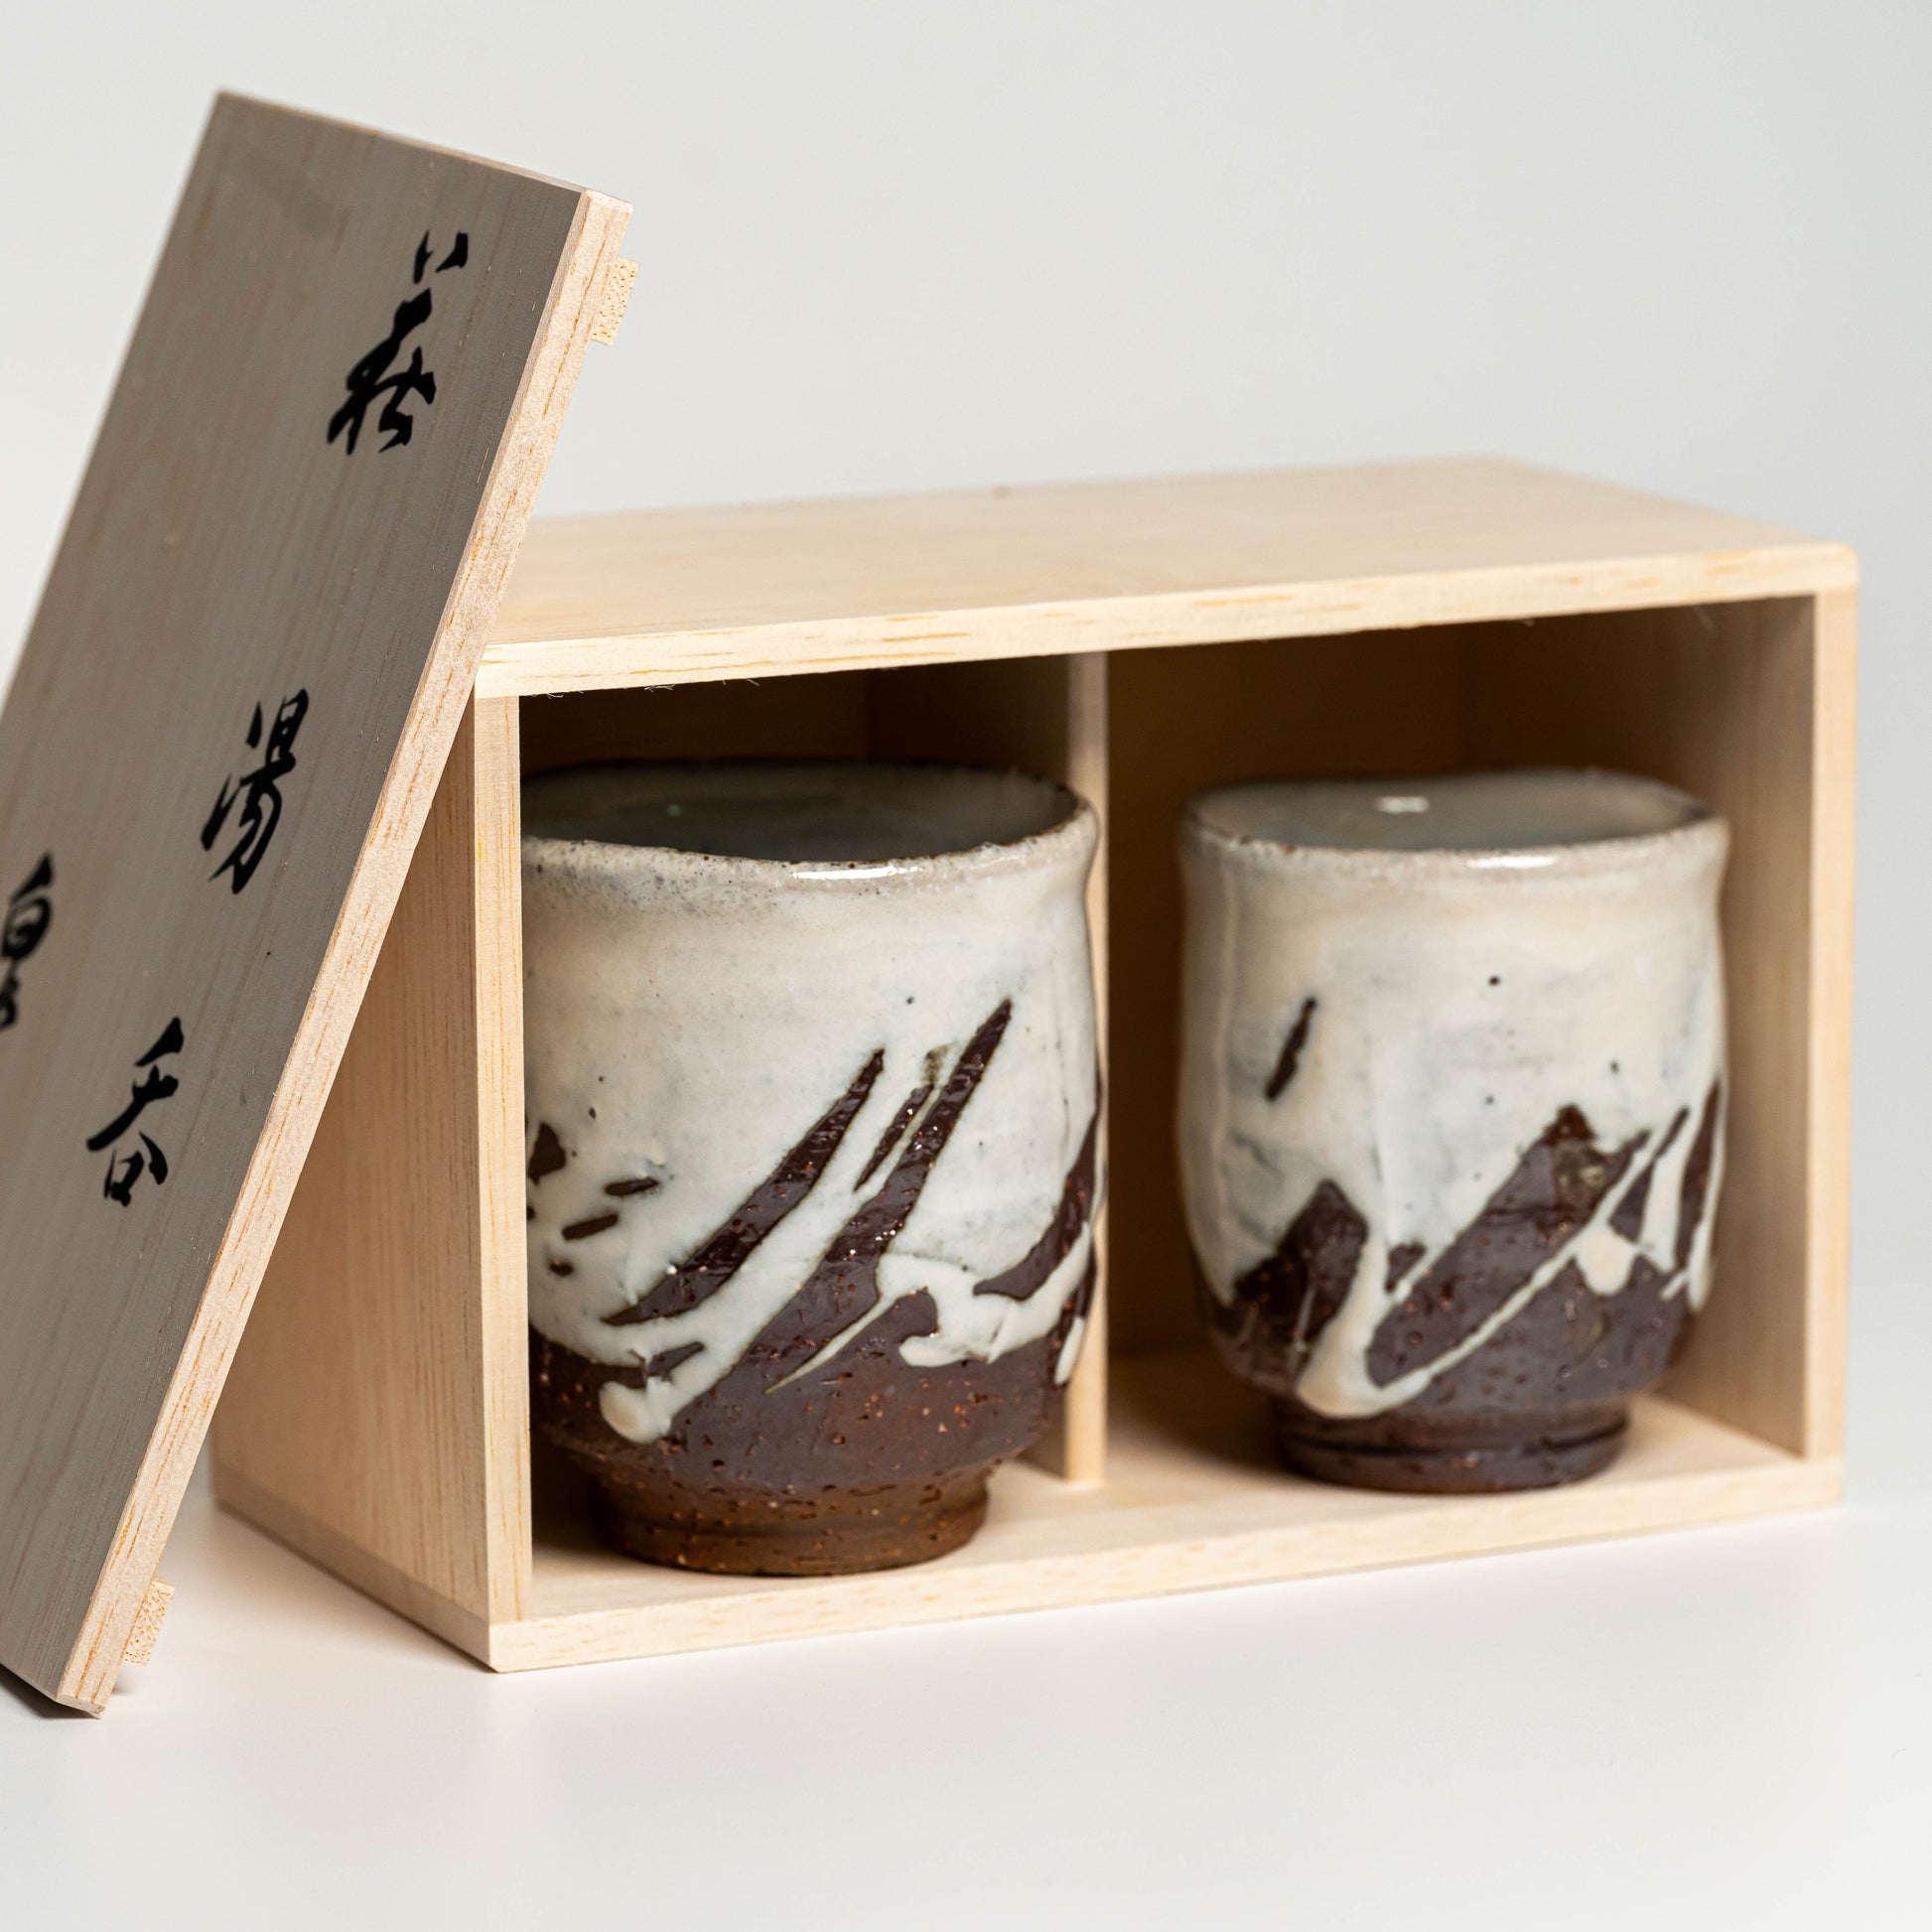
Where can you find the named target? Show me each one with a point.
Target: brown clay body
(1544, 1400)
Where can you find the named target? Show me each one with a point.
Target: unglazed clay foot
(836, 1533)
(1521, 1451)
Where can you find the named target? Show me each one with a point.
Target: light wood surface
(381, 1390)
(225, 553)
(1191, 1502)
(1827, 1074)
(617, 298)
(1083, 1426)
(667, 595)
(1743, 694)
(146, 1632)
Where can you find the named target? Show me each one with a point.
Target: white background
(1683, 246)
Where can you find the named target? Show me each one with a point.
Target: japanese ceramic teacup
(812, 1113)
(1451, 1116)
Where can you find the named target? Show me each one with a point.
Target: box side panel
(1829, 1122)
(1083, 1435)
(1724, 701)
(375, 1404)
(496, 917)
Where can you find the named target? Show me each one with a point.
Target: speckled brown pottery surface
(1451, 1112)
(812, 1101)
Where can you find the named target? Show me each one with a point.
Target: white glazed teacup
(813, 1115)
(1451, 1111)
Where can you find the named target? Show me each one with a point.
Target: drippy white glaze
(1466, 993)
(688, 1018)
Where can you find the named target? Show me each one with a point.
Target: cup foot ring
(1443, 1468)
(841, 1535)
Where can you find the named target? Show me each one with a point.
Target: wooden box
(259, 773)
(1141, 641)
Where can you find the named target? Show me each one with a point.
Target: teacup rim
(1074, 827)
(1701, 829)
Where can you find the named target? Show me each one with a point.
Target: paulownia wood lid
(253, 654)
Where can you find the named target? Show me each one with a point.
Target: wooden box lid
(255, 650)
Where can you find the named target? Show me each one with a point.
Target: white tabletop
(1719, 1727)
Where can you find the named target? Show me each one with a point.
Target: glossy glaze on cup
(1451, 1111)
(813, 1110)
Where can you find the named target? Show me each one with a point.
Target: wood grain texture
(382, 1389)
(668, 595)
(146, 1632)
(617, 298)
(1828, 1088)
(223, 553)
(1191, 1502)
(345, 1557)
(816, 717)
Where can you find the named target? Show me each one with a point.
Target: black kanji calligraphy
(30, 911)
(124, 1171)
(376, 375)
(258, 792)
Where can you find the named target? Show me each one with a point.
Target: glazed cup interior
(787, 812)
(1470, 814)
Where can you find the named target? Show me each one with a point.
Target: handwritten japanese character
(30, 911)
(371, 376)
(123, 1170)
(259, 793)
